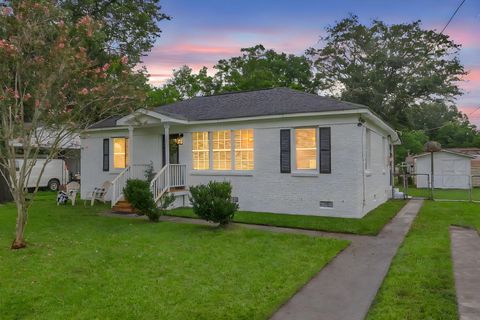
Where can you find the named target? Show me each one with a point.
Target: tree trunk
(20, 202)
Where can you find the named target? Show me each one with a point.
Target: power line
(453, 15)
(468, 115)
(444, 28)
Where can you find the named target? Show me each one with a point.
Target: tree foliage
(390, 68)
(458, 134)
(259, 68)
(412, 143)
(130, 27)
(256, 68)
(50, 88)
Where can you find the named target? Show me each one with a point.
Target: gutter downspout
(392, 167)
(363, 169)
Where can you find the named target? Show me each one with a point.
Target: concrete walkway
(466, 264)
(345, 288)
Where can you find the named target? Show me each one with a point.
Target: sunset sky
(202, 32)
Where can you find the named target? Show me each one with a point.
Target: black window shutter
(325, 154)
(285, 166)
(106, 154)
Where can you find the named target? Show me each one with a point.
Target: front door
(174, 149)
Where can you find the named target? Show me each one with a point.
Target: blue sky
(202, 32)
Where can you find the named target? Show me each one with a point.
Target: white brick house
(284, 151)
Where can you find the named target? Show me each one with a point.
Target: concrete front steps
(123, 206)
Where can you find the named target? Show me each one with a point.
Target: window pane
(222, 156)
(306, 148)
(120, 153)
(244, 149)
(201, 155)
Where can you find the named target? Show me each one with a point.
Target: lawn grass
(79, 265)
(444, 194)
(420, 283)
(371, 224)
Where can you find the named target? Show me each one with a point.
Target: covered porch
(168, 173)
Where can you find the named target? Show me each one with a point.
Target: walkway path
(346, 287)
(466, 265)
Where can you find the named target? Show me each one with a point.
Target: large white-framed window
(244, 142)
(306, 148)
(201, 150)
(120, 152)
(226, 150)
(222, 150)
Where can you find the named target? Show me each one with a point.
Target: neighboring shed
(452, 170)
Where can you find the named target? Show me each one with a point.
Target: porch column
(166, 138)
(130, 145)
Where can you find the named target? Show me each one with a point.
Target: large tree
(48, 74)
(255, 68)
(184, 84)
(390, 68)
(130, 27)
(430, 116)
(457, 134)
(259, 68)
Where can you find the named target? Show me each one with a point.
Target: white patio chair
(98, 193)
(73, 188)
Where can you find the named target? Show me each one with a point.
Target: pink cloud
(468, 109)
(471, 80)
(190, 48)
(464, 34)
(461, 32)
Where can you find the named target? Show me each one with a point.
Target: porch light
(179, 139)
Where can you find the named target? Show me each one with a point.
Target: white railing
(171, 176)
(178, 175)
(159, 184)
(136, 171)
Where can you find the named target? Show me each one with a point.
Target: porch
(169, 174)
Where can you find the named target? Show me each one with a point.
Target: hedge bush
(213, 202)
(138, 193)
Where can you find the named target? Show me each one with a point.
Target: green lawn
(445, 194)
(79, 265)
(371, 224)
(420, 283)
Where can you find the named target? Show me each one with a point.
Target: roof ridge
(243, 91)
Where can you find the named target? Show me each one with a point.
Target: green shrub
(213, 202)
(138, 193)
(149, 172)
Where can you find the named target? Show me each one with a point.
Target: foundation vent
(326, 204)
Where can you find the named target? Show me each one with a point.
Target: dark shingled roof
(257, 103)
(266, 102)
(106, 123)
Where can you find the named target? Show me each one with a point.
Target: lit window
(222, 150)
(120, 153)
(244, 149)
(306, 148)
(200, 148)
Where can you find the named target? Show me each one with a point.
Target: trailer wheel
(53, 185)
